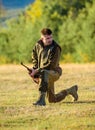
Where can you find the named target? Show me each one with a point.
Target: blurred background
(72, 22)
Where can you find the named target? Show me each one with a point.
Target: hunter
(45, 58)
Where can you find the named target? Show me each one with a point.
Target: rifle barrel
(25, 66)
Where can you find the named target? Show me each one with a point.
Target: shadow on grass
(81, 102)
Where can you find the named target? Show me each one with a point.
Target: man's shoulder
(39, 43)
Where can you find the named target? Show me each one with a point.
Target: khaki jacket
(46, 57)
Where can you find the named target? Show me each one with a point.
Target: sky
(11, 4)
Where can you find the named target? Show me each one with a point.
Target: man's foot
(73, 91)
(41, 100)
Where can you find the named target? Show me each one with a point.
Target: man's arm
(54, 58)
(35, 58)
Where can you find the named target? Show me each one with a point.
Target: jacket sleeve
(54, 58)
(35, 58)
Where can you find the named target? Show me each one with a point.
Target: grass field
(18, 92)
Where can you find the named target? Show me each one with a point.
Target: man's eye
(48, 38)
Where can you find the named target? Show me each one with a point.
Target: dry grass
(18, 92)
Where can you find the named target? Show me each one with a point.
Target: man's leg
(47, 85)
(52, 97)
(43, 86)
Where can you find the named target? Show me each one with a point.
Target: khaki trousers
(50, 77)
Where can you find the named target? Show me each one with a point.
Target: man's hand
(33, 72)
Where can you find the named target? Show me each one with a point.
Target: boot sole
(39, 104)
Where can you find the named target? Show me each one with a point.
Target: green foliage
(78, 36)
(72, 22)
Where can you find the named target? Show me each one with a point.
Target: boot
(41, 100)
(73, 91)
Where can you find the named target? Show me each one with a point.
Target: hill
(9, 4)
(10, 9)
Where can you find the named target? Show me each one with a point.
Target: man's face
(47, 39)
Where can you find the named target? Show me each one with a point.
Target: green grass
(18, 92)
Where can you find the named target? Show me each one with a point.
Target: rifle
(26, 67)
(30, 71)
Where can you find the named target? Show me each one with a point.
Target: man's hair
(46, 31)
